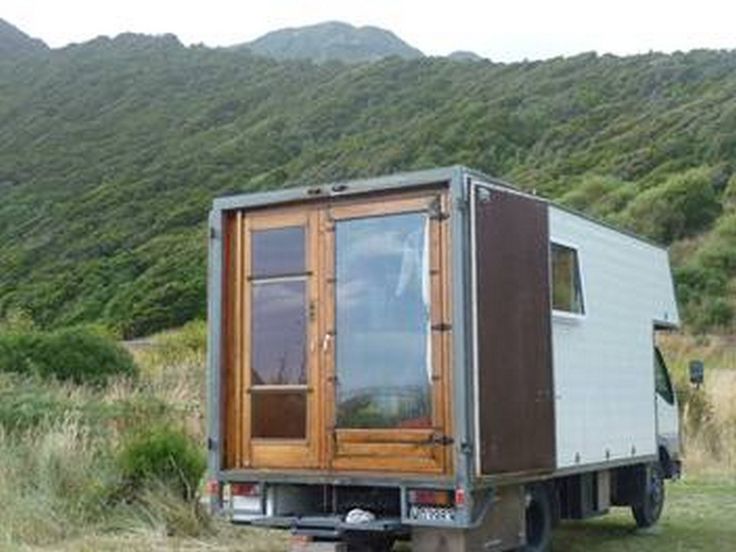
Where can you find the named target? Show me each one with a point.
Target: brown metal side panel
(515, 387)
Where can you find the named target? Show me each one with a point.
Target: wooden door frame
(402, 450)
(276, 452)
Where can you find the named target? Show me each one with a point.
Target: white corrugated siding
(603, 362)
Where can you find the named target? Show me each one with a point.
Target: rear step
(330, 527)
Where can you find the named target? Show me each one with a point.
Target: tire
(649, 510)
(538, 519)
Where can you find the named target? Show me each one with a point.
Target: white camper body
(604, 400)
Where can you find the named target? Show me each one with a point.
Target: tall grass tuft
(52, 481)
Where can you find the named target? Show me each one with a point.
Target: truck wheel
(538, 519)
(648, 511)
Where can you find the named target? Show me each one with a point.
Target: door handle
(326, 341)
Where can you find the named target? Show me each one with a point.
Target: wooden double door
(338, 336)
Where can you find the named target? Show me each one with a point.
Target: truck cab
(668, 419)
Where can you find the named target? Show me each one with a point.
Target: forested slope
(111, 151)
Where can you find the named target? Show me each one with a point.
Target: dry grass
(708, 413)
(223, 537)
(52, 475)
(59, 477)
(717, 351)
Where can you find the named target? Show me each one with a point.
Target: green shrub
(683, 205)
(76, 354)
(598, 195)
(162, 454)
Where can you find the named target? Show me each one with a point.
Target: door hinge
(442, 327)
(484, 195)
(436, 212)
(210, 443)
(442, 440)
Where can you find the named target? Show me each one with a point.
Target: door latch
(442, 440)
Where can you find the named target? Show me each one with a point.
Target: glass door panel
(279, 339)
(383, 353)
(386, 356)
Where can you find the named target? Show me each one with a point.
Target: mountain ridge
(14, 42)
(332, 40)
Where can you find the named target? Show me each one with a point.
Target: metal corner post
(214, 341)
(464, 445)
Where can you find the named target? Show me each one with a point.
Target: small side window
(662, 382)
(567, 289)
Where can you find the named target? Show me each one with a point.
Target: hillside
(332, 40)
(111, 151)
(14, 42)
(462, 55)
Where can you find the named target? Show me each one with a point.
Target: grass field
(57, 442)
(700, 516)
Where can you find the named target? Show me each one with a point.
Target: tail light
(430, 497)
(213, 487)
(245, 489)
(432, 505)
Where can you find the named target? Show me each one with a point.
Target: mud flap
(502, 529)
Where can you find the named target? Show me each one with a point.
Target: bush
(162, 454)
(600, 196)
(683, 205)
(76, 354)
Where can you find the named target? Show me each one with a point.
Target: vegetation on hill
(332, 40)
(111, 151)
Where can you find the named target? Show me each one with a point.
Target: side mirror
(697, 372)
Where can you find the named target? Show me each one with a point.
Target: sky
(502, 30)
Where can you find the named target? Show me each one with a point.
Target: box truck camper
(434, 356)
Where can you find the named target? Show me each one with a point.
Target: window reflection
(278, 251)
(278, 349)
(383, 322)
(567, 292)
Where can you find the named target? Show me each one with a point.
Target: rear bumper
(332, 527)
(296, 505)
